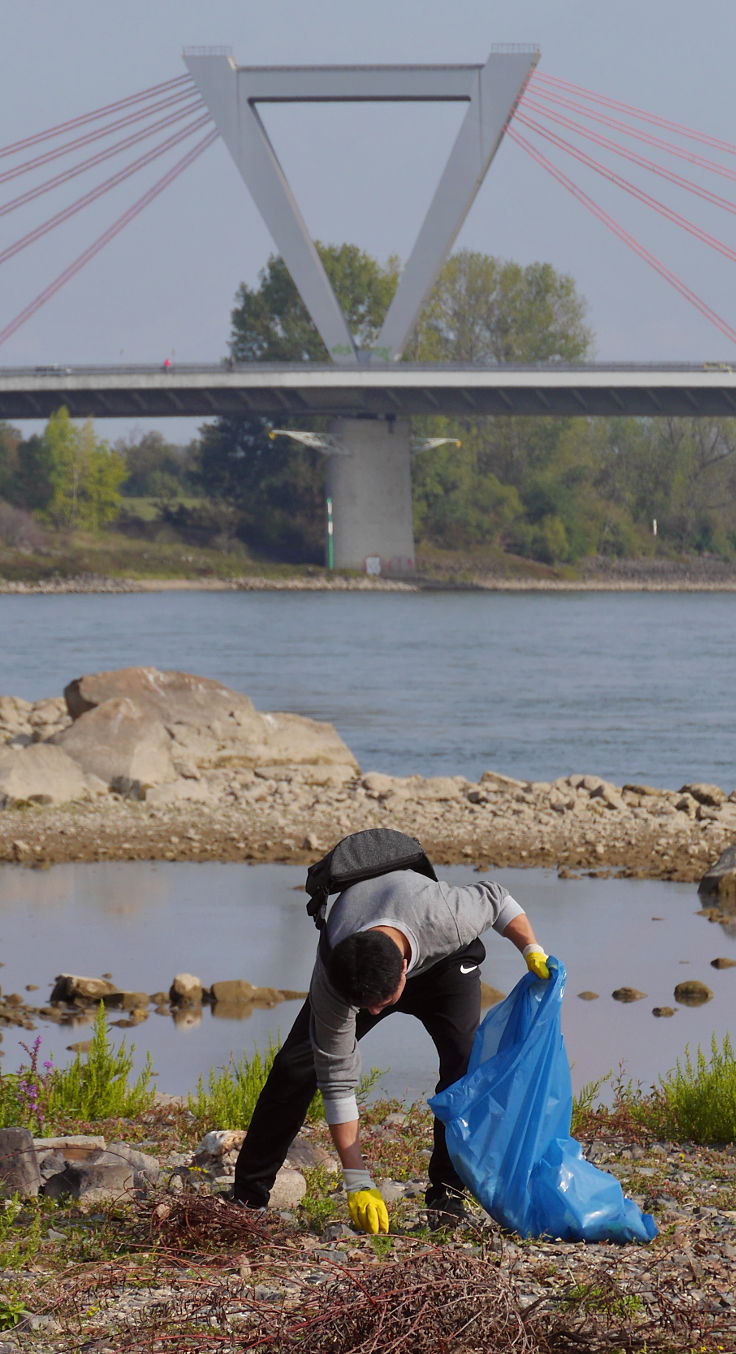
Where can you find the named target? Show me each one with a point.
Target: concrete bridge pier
(369, 483)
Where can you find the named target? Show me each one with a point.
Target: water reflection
(145, 922)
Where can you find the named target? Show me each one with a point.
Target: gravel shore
(294, 814)
(179, 1270)
(465, 573)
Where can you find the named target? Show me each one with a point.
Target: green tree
(276, 491)
(489, 310)
(32, 487)
(481, 310)
(680, 472)
(25, 469)
(484, 309)
(455, 505)
(155, 468)
(272, 324)
(277, 488)
(10, 441)
(85, 475)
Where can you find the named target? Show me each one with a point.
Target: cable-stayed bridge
(370, 395)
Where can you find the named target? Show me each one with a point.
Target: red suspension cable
(93, 116)
(623, 234)
(631, 155)
(620, 182)
(105, 238)
(86, 140)
(100, 190)
(83, 165)
(630, 111)
(682, 153)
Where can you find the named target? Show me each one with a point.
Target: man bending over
(407, 942)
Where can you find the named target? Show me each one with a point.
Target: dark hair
(365, 968)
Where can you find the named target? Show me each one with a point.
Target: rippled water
(630, 686)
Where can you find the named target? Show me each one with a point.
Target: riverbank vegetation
(518, 496)
(694, 1101)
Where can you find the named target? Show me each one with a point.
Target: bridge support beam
(369, 483)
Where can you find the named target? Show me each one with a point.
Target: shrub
(230, 1096)
(24, 1094)
(697, 1100)
(19, 530)
(97, 1086)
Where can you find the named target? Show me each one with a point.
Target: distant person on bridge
(401, 940)
(167, 364)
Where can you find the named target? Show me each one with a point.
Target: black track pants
(447, 1001)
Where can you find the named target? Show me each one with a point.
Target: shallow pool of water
(144, 922)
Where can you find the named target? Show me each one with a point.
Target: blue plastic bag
(508, 1127)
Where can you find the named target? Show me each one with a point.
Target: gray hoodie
(437, 919)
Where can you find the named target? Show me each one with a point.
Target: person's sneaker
(447, 1210)
(229, 1197)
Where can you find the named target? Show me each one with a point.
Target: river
(634, 687)
(629, 686)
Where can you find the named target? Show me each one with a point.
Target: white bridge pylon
(491, 91)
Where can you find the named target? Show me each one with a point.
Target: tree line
(550, 489)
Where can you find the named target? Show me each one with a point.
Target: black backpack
(362, 855)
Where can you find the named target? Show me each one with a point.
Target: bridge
(386, 391)
(368, 397)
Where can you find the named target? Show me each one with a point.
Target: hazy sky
(165, 285)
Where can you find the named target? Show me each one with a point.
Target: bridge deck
(281, 391)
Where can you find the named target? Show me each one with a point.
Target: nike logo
(468, 968)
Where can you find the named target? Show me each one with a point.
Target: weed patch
(228, 1098)
(695, 1102)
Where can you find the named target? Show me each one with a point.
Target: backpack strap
(317, 907)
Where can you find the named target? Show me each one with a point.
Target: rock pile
(75, 999)
(87, 1168)
(81, 1167)
(149, 735)
(140, 764)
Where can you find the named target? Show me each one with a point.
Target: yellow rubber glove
(368, 1211)
(536, 961)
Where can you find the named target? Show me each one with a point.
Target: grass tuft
(696, 1101)
(229, 1096)
(97, 1085)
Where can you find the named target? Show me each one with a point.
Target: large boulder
(692, 992)
(295, 740)
(234, 996)
(73, 987)
(120, 741)
(711, 795)
(186, 990)
(205, 722)
(176, 697)
(101, 1176)
(40, 771)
